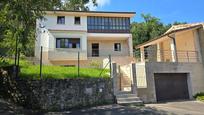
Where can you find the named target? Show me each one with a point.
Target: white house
(94, 34)
(170, 67)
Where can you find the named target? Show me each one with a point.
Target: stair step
(134, 101)
(130, 102)
(124, 92)
(126, 95)
(129, 99)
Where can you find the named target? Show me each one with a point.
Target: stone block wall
(56, 94)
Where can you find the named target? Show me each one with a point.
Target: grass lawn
(28, 70)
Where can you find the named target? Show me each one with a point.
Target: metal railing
(167, 56)
(104, 52)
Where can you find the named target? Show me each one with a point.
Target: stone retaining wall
(56, 94)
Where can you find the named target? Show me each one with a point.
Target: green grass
(6, 62)
(199, 96)
(28, 70)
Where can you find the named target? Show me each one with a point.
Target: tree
(18, 17)
(150, 28)
(77, 5)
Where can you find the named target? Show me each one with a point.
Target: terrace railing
(105, 52)
(167, 56)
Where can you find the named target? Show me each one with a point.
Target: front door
(95, 50)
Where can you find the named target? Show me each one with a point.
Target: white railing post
(134, 85)
(142, 54)
(173, 50)
(187, 56)
(115, 78)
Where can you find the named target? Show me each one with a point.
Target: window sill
(117, 51)
(61, 24)
(68, 49)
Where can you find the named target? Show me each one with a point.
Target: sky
(168, 11)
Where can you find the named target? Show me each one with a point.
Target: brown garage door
(171, 86)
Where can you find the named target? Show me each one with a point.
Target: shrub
(199, 96)
(4, 62)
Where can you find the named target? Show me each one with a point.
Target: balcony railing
(166, 56)
(66, 54)
(105, 52)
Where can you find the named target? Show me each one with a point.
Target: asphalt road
(170, 108)
(180, 107)
(113, 110)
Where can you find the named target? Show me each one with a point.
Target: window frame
(63, 45)
(60, 21)
(98, 24)
(118, 49)
(79, 21)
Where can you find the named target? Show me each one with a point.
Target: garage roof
(174, 29)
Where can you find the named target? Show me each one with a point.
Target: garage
(171, 86)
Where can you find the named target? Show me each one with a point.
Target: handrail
(166, 55)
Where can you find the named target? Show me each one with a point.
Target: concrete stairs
(125, 83)
(127, 98)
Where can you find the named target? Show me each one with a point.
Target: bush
(4, 62)
(199, 96)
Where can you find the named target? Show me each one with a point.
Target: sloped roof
(174, 29)
(183, 26)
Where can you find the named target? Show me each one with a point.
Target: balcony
(105, 52)
(66, 54)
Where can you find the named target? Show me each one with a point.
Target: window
(60, 19)
(77, 20)
(67, 42)
(117, 47)
(108, 24)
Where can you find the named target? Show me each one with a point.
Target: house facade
(94, 35)
(171, 66)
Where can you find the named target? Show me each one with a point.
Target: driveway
(180, 107)
(112, 110)
(171, 108)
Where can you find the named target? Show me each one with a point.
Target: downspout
(175, 49)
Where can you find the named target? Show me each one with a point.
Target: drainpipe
(173, 48)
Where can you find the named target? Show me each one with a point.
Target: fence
(41, 65)
(166, 56)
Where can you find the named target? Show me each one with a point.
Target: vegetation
(28, 70)
(199, 96)
(5, 62)
(77, 4)
(150, 28)
(18, 17)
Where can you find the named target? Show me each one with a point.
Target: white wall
(51, 23)
(42, 39)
